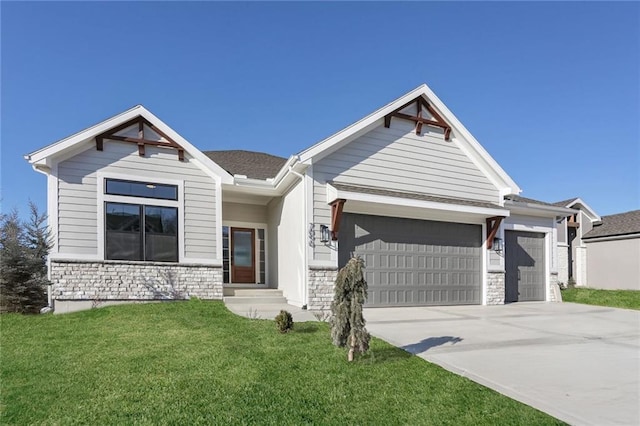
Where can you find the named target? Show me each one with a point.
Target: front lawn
(196, 363)
(629, 299)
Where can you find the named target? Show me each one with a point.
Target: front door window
(243, 255)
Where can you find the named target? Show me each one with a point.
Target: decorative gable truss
(420, 112)
(142, 132)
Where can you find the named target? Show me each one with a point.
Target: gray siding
(613, 264)
(77, 195)
(396, 158)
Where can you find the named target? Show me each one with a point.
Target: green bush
(284, 321)
(24, 246)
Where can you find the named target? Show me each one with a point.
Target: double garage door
(415, 262)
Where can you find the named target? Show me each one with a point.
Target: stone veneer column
(554, 290)
(321, 283)
(495, 287)
(124, 280)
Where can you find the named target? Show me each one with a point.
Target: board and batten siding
(77, 195)
(397, 159)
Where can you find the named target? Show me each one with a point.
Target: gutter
(305, 286)
(558, 211)
(272, 183)
(611, 237)
(49, 289)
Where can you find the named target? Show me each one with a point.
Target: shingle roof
(255, 165)
(519, 199)
(410, 195)
(616, 224)
(564, 203)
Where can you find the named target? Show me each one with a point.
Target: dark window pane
(161, 220)
(161, 248)
(123, 246)
(124, 237)
(123, 217)
(141, 189)
(161, 233)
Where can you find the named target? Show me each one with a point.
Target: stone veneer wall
(321, 283)
(554, 290)
(123, 280)
(495, 287)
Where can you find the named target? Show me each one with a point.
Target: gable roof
(615, 225)
(466, 141)
(578, 204)
(254, 165)
(519, 199)
(564, 203)
(530, 206)
(41, 159)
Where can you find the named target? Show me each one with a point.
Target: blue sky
(551, 90)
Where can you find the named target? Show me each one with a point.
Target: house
(613, 252)
(572, 250)
(140, 213)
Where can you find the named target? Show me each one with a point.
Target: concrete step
(252, 292)
(253, 296)
(254, 300)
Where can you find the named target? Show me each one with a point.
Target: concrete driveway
(578, 363)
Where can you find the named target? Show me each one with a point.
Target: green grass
(196, 363)
(629, 299)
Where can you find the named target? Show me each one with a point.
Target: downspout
(304, 231)
(49, 290)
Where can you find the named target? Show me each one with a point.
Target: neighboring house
(613, 252)
(572, 250)
(139, 213)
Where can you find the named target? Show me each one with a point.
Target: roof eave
(595, 217)
(624, 236)
(537, 209)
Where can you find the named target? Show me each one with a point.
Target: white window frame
(103, 198)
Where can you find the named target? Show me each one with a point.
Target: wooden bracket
(420, 102)
(141, 141)
(493, 223)
(336, 215)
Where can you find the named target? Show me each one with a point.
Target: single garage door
(524, 264)
(415, 262)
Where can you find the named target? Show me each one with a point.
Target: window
(141, 189)
(137, 231)
(225, 255)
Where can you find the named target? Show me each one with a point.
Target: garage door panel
(415, 262)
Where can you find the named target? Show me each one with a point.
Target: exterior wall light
(498, 245)
(325, 235)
